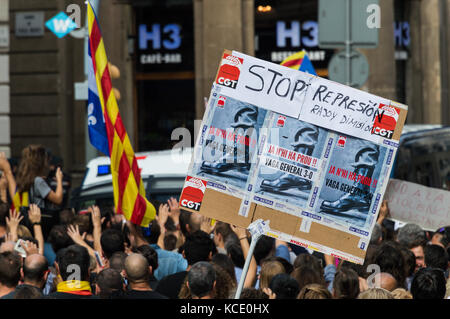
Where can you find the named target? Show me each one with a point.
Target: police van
(163, 174)
(423, 156)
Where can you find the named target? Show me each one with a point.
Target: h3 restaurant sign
(164, 41)
(309, 155)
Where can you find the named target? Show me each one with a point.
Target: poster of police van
(230, 141)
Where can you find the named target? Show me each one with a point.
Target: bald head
(136, 267)
(34, 260)
(34, 268)
(195, 222)
(387, 281)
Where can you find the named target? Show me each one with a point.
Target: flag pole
(257, 229)
(253, 242)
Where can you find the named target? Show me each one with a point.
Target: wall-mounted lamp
(266, 8)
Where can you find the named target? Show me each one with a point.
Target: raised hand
(34, 214)
(7, 172)
(97, 219)
(4, 164)
(29, 247)
(270, 293)
(174, 212)
(163, 215)
(239, 231)
(329, 260)
(74, 233)
(59, 174)
(13, 221)
(206, 225)
(384, 212)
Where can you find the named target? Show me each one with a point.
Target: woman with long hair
(31, 177)
(32, 171)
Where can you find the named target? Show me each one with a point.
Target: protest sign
(413, 203)
(257, 82)
(263, 153)
(348, 110)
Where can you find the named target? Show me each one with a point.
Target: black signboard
(164, 37)
(290, 27)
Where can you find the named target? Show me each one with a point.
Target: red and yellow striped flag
(299, 61)
(19, 200)
(129, 191)
(294, 61)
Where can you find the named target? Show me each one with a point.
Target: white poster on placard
(308, 98)
(347, 110)
(262, 83)
(413, 203)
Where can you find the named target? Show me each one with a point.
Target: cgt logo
(341, 141)
(227, 82)
(382, 132)
(221, 101)
(229, 71)
(190, 204)
(193, 191)
(281, 120)
(386, 121)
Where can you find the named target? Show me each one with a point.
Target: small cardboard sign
(414, 203)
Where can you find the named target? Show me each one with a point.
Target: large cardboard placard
(265, 152)
(414, 203)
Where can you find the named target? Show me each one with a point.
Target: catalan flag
(19, 200)
(129, 191)
(299, 61)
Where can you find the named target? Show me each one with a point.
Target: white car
(163, 174)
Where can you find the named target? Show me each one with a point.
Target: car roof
(414, 128)
(431, 132)
(167, 163)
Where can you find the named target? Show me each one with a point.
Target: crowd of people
(51, 251)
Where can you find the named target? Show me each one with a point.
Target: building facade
(5, 135)
(168, 53)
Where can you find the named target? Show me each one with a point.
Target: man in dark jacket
(73, 267)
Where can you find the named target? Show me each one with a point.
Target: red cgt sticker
(229, 71)
(281, 120)
(193, 192)
(386, 121)
(341, 141)
(221, 101)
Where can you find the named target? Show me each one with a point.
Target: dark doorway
(163, 106)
